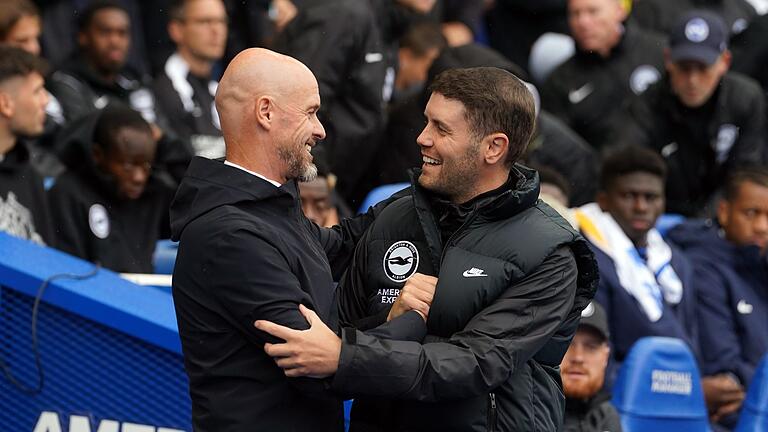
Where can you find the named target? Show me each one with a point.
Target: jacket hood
(701, 238)
(209, 184)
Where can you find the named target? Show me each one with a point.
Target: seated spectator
(645, 284)
(23, 206)
(731, 276)
(319, 200)
(662, 15)
(97, 75)
(419, 47)
(20, 27)
(185, 89)
(587, 405)
(704, 120)
(613, 62)
(109, 208)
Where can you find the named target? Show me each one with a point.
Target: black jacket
(23, 205)
(513, 278)
(701, 146)
(92, 222)
(247, 252)
(587, 90)
(593, 415)
(81, 91)
(662, 15)
(188, 101)
(750, 52)
(341, 42)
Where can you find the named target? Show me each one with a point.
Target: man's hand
(312, 353)
(723, 395)
(416, 295)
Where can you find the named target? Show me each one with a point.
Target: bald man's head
(268, 104)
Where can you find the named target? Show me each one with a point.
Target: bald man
(248, 253)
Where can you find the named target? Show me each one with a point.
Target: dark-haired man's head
(124, 150)
(104, 35)
(479, 122)
(743, 210)
(20, 25)
(632, 190)
(199, 30)
(419, 47)
(22, 95)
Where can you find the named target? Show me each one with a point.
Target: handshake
(315, 352)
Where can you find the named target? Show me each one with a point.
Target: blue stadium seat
(754, 412)
(381, 193)
(165, 256)
(658, 388)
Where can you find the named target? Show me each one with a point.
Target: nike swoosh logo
(473, 272)
(578, 95)
(744, 308)
(374, 57)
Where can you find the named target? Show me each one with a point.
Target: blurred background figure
(186, 87)
(587, 404)
(704, 120)
(23, 206)
(613, 61)
(108, 208)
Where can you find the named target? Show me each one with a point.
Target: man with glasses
(186, 87)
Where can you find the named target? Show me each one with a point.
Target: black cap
(594, 316)
(699, 36)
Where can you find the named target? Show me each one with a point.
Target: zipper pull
(493, 400)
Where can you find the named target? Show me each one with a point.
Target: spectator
(645, 284)
(108, 208)
(20, 25)
(97, 74)
(704, 120)
(319, 200)
(23, 206)
(662, 15)
(356, 79)
(587, 405)
(731, 276)
(612, 63)
(185, 89)
(419, 47)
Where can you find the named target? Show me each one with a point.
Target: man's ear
(265, 112)
(602, 200)
(723, 211)
(7, 105)
(174, 31)
(496, 147)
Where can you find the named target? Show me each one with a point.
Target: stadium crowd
(649, 111)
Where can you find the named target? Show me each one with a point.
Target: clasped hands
(315, 352)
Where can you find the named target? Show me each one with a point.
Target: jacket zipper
(458, 230)
(492, 412)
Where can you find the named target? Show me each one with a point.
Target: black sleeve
(69, 220)
(750, 149)
(72, 94)
(494, 344)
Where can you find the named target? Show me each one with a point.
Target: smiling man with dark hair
(513, 278)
